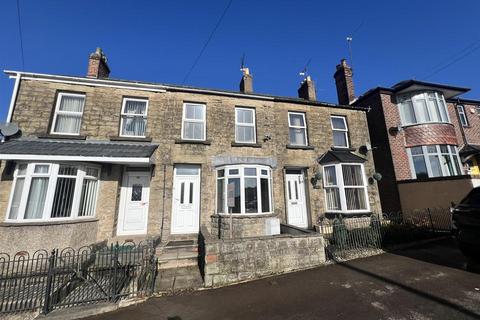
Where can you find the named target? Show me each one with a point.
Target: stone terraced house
(106, 159)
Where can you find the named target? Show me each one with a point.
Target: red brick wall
(472, 132)
(426, 134)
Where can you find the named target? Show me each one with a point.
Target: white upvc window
(340, 131)
(345, 188)
(245, 125)
(422, 107)
(434, 161)
(297, 129)
(462, 115)
(67, 118)
(251, 186)
(193, 121)
(133, 121)
(53, 191)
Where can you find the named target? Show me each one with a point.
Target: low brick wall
(228, 261)
(243, 226)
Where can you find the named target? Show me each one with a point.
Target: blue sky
(159, 40)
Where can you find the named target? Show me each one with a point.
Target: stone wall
(242, 226)
(229, 261)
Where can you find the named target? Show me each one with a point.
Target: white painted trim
(197, 178)
(304, 127)
(124, 114)
(203, 120)
(246, 124)
(13, 100)
(130, 160)
(125, 84)
(345, 131)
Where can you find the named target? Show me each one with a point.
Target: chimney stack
(344, 82)
(97, 65)
(246, 84)
(307, 89)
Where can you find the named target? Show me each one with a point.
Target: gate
(72, 277)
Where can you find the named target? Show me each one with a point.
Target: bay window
(422, 107)
(67, 118)
(250, 187)
(52, 191)
(345, 188)
(133, 118)
(434, 161)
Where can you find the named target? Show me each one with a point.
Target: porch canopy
(340, 156)
(468, 151)
(78, 150)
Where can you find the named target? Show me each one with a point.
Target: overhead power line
(465, 52)
(207, 42)
(21, 35)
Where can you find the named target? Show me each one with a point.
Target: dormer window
(422, 107)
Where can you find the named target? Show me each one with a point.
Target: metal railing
(352, 237)
(70, 277)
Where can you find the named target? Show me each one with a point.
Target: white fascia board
(117, 160)
(124, 84)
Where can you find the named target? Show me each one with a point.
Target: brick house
(106, 159)
(425, 141)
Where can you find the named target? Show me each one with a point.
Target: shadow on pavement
(442, 252)
(410, 289)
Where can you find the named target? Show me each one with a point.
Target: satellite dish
(8, 129)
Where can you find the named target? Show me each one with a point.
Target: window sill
(46, 223)
(242, 144)
(62, 136)
(425, 123)
(181, 141)
(119, 138)
(289, 146)
(245, 215)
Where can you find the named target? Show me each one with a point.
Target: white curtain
(17, 195)
(134, 126)
(69, 116)
(36, 198)
(297, 136)
(193, 130)
(87, 201)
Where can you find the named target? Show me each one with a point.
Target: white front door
(296, 200)
(134, 197)
(186, 199)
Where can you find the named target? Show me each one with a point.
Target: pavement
(431, 281)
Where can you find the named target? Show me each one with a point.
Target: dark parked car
(466, 224)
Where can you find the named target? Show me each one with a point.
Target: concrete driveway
(433, 281)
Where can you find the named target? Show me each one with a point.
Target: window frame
(124, 115)
(341, 187)
(253, 124)
(413, 97)
(438, 152)
(52, 175)
(241, 175)
(345, 131)
(57, 111)
(462, 115)
(303, 114)
(203, 120)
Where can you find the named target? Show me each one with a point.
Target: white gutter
(124, 84)
(13, 100)
(118, 160)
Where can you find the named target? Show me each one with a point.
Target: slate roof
(87, 148)
(339, 156)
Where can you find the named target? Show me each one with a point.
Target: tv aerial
(304, 72)
(8, 129)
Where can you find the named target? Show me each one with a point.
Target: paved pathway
(429, 282)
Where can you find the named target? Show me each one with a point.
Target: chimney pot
(97, 65)
(307, 89)
(344, 83)
(246, 84)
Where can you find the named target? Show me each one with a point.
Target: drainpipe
(13, 100)
(163, 201)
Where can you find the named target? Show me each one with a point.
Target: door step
(178, 266)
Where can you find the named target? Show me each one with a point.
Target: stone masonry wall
(231, 261)
(101, 121)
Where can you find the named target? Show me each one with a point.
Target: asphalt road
(432, 281)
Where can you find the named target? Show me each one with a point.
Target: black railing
(72, 277)
(352, 237)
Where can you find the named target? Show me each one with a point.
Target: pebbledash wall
(101, 120)
(398, 190)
